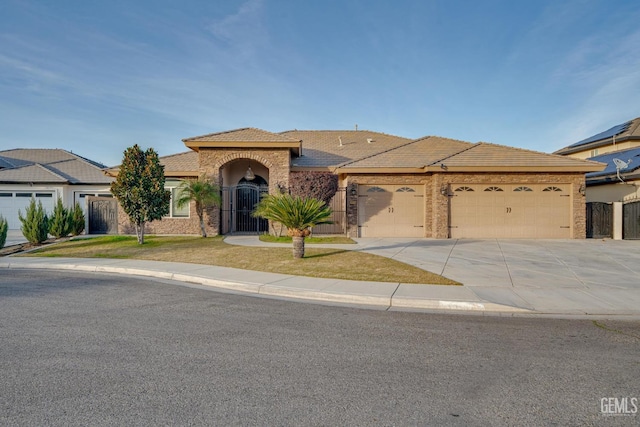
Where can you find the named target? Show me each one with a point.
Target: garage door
(12, 202)
(391, 210)
(511, 211)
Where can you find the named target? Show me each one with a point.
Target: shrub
(35, 223)
(76, 220)
(4, 228)
(318, 185)
(60, 223)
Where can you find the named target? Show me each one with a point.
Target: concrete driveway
(562, 276)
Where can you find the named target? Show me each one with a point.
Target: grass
(309, 240)
(318, 262)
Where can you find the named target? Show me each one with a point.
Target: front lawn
(324, 263)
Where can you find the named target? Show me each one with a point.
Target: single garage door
(12, 202)
(511, 211)
(391, 210)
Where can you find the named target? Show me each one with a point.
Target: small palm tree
(204, 192)
(296, 213)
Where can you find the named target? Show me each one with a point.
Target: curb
(381, 301)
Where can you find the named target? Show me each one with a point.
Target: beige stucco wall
(615, 192)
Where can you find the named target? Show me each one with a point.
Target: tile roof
(50, 165)
(449, 154)
(179, 164)
(241, 135)
(326, 148)
(492, 155)
(413, 154)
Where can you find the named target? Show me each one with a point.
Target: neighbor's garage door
(511, 211)
(12, 202)
(391, 210)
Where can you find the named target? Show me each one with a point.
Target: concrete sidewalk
(560, 278)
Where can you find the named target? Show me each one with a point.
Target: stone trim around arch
(238, 156)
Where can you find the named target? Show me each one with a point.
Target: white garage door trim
(511, 211)
(391, 210)
(14, 201)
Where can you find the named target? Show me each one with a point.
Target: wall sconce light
(582, 190)
(249, 175)
(444, 190)
(353, 191)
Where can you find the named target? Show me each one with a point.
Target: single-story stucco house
(46, 175)
(390, 186)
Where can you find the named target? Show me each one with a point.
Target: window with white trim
(174, 210)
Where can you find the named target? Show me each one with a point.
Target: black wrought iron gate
(237, 205)
(599, 220)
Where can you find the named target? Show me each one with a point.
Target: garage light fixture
(582, 190)
(444, 190)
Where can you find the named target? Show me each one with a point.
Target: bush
(35, 225)
(60, 223)
(76, 220)
(4, 228)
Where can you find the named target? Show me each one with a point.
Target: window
(464, 189)
(594, 152)
(552, 189)
(375, 190)
(405, 190)
(493, 189)
(174, 210)
(522, 189)
(6, 195)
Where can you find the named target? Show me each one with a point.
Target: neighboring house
(46, 175)
(391, 186)
(618, 182)
(619, 148)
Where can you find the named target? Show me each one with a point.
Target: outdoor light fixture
(249, 175)
(354, 191)
(444, 190)
(582, 190)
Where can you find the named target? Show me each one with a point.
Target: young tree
(76, 220)
(4, 229)
(319, 185)
(296, 213)
(35, 223)
(204, 192)
(59, 225)
(139, 188)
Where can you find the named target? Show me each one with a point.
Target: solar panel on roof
(616, 130)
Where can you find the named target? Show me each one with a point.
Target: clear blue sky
(97, 77)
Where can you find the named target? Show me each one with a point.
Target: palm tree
(296, 213)
(204, 192)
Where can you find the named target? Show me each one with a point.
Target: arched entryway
(244, 183)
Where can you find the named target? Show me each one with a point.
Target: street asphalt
(556, 278)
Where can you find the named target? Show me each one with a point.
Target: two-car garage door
(12, 202)
(510, 211)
